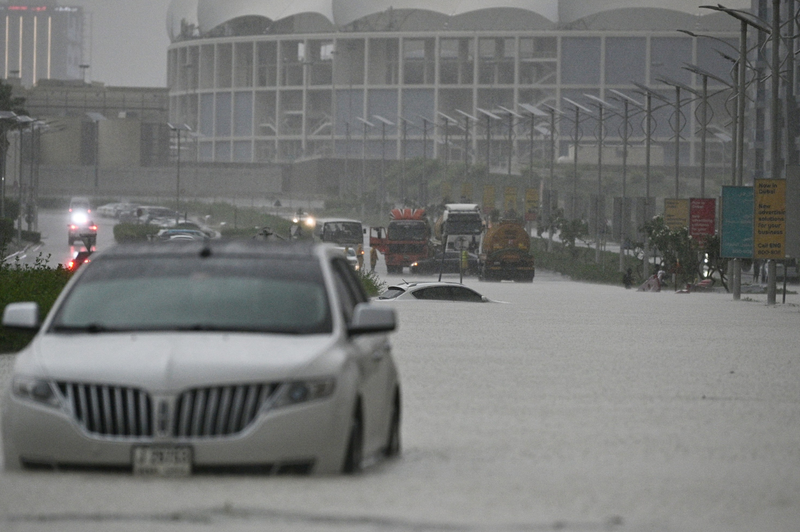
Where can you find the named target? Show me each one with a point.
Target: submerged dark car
(453, 263)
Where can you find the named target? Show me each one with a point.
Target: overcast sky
(129, 41)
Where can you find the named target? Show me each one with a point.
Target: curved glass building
(280, 80)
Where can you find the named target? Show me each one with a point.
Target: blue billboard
(737, 222)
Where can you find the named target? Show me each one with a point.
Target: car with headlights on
(208, 356)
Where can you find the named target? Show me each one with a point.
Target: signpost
(676, 213)
(488, 199)
(770, 219)
(510, 199)
(702, 218)
(737, 222)
(531, 204)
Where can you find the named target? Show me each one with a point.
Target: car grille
(110, 410)
(219, 410)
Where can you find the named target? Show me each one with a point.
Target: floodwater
(562, 406)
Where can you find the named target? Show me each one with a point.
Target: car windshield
(462, 224)
(215, 293)
(342, 232)
(407, 230)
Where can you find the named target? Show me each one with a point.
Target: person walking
(360, 257)
(373, 258)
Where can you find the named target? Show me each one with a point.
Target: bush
(134, 232)
(578, 263)
(38, 283)
(371, 282)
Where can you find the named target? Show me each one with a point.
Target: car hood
(171, 361)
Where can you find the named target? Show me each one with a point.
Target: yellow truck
(505, 253)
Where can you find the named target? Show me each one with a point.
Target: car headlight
(297, 392)
(36, 390)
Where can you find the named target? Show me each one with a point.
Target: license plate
(162, 461)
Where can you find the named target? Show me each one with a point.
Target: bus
(339, 231)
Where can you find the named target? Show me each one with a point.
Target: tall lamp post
(576, 140)
(624, 216)
(467, 118)
(744, 22)
(511, 115)
(599, 219)
(96, 118)
(382, 192)
(676, 128)
(363, 182)
(489, 117)
(704, 118)
(178, 129)
(6, 118)
(448, 121)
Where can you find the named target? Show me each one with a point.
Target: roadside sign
(466, 190)
(510, 199)
(488, 199)
(770, 219)
(737, 222)
(702, 217)
(676, 213)
(531, 204)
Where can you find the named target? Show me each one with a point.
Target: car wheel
(393, 443)
(355, 445)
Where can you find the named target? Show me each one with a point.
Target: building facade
(40, 40)
(276, 81)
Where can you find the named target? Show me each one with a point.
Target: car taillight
(71, 265)
(93, 228)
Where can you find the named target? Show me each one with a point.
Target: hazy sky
(129, 41)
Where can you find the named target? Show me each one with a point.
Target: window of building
(626, 60)
(580, 60)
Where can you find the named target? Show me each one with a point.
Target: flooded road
(560, 406)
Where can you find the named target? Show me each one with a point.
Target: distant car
(181, 234)
(115, 210)
(350, 254)
(441, 291)
(80, 210)
(85, 232)
(209, 356)
(152, 214)
(451, 264)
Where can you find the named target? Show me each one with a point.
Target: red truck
(405, 240)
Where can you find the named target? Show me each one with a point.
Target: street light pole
(511, 115)
(178, 129)
(363, 181)
(576, 139)
(4, 116)
(599, 219)
(382, 192)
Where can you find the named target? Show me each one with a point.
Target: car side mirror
(23, 316)
(370, 318)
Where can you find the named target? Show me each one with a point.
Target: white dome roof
(208, 14)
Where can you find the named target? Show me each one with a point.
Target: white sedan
(438, 291)
(206, 356)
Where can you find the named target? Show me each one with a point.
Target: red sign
(702, 217)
